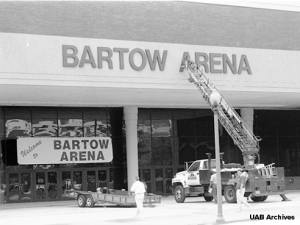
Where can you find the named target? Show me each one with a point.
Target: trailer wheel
(90, 201)
(179, 194)
(230, 194)
(208, 198)
(81, 201)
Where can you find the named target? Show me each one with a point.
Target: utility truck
(194, 181)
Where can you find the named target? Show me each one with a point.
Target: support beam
(131, 118)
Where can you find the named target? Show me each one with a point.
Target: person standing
(213, 184)
(241, 180)
(139, 193)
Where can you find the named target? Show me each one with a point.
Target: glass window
(100, 114)
(232, 154)
(162, 151)
(269, 151)
(18, 122)
(186, 150)
(162, 128)
(115, 123)
(288, 122)
(17, 113)
(144, 151)
(195, 166)
(44, 127)
(144, 128)
(18, 128)
(144, 123)
(185, 127)
(95, 128)
(158, 114)
(288, 155)
(70, 123)
(205, 145)
(144, 114)
(204, 123)
(42, 113)
(265, 123)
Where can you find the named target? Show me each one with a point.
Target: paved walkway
(195, 211)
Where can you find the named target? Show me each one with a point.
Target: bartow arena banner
(64, 150)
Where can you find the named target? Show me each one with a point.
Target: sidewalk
(195, 211)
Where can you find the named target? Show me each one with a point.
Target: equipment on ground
(194, 181)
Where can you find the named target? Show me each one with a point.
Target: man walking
(213, 184)
(241, 180)
(139, 190)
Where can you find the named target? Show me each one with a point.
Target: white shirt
(213, 178)
(138, 187)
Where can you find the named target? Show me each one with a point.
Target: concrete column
(131, 119)
(247, 115)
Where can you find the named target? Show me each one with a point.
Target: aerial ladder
(241, 134)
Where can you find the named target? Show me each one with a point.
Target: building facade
(77, 73)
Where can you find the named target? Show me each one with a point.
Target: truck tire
(179, 194)
(81, 201)
(258, 198)
(208, 198)
(230, 194)
(90, 201)
(264, 198)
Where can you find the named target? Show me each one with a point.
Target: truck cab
(194, 181)
(192, 173)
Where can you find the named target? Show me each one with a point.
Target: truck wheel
(230, 194)
(90, 201)
(81, 201)
(179, 194)
(208, 198)
(258, 198)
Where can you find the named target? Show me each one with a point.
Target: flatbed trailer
(117, 197)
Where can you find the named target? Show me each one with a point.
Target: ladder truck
(194, 181)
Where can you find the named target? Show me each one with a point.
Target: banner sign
(64, 150)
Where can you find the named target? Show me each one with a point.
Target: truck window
(212, 164)
(195, 166)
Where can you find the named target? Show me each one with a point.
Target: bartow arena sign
(96, 57)
(64, 150)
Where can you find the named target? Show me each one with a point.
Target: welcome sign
(64, 150)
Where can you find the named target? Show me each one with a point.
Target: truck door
(193, 174)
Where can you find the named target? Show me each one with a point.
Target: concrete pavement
(195, 211)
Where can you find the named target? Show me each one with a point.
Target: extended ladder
(241, 134)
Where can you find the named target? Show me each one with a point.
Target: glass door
(19, 187)
(102, 179)
(51, 187)
(46, 185)
(159, 181)
(91, 180)
(40, 186)
(97, 178)
(146, 177)
(77, 180)
(70, 182)
(168, 180)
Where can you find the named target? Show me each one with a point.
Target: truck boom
(194, 181)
